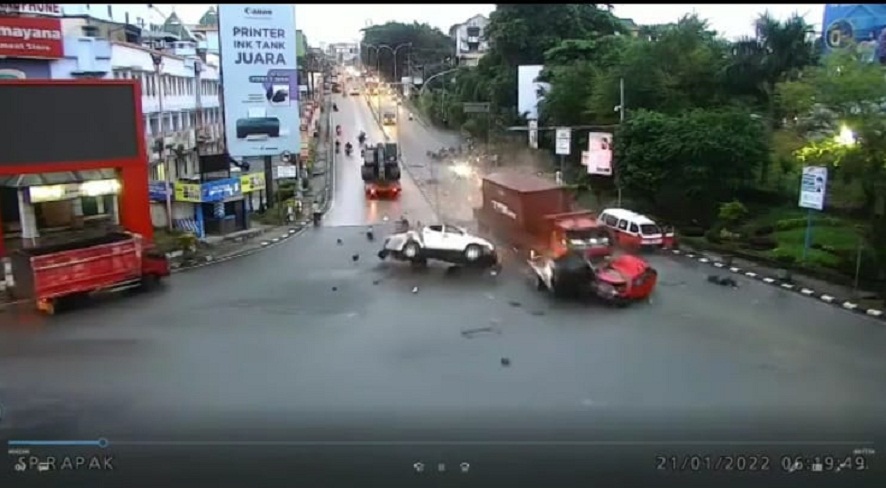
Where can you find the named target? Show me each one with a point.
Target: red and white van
(634, 230)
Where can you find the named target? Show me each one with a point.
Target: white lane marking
(849, 306)
(874, 312)
(827, 298)
(719, 265)
(768, 280)
(807, 291)
(264, 243)
(704, 260)
(734, 269)
(787, 286)
(750, 274)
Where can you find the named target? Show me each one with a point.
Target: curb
(784, 285)
(265, 244)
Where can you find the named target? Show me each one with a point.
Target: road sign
(564, 140)
(475, 107)
(813, 187)
(533, 134)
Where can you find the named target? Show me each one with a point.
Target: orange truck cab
(578, 231)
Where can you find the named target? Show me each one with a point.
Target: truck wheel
(150, 282)
(411, 250)
(473, 252)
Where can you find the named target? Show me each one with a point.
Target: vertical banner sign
(533, 134)
(564, 140)
(813, 187)
(599, 159)
(259, 79)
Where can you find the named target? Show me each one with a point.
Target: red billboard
(31, 37)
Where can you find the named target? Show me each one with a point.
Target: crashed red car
(618, 280)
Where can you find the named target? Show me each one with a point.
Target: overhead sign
(564, 141)
(599, 154)
(31, 37)
(260, 81)
(813, 187)
(475, 108)
(533, 134)
(44, 9)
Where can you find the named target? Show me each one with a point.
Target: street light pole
(157, 58)
(621, 120)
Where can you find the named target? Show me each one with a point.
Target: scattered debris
(514, 303)
(334, 288)
(338, 241)
(505, 362)
(453, 270)
(375, 282)
(370, 234)
(538, 313)
(471, 333)
(493, 273)
(490, 296)
(385, 218)
(722, 281)
(355, 258)
(414, 289)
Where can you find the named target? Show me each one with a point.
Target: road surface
(302, 345)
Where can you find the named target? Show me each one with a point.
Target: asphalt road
(302, 343)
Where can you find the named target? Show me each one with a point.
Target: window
(634, 228)
(451, 229)
(155, 125)
(435, 228)
(610, 220)
(622, 225)
(649, 229)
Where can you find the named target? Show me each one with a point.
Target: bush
(692, 231)
(763, 230)
(732, 213)
(784, 257)
(761, 243)
(713, 236)
(801, 222)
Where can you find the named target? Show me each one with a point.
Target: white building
(470, 40)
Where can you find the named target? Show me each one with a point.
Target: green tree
(686, 164)
(428, 46)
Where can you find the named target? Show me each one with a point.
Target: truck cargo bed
(76, 267)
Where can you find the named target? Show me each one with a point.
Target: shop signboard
(31, 37)
(260, 86)
(157, 190)
(252, 182)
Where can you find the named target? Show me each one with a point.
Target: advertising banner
(259, 79)
(31, 37)
(44, 9)
(187, 192)
(564, 141)
(533, 134)
(252, 182)
(211, 191)
(813, 187)
(599, 153)
(846, 24)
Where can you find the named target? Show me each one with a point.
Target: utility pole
(621, 121)
(157, 58)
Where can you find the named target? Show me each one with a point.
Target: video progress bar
(103, 443)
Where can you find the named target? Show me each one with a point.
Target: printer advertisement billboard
(862, 26)
(259, 79)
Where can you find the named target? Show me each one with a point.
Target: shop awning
(28, 180)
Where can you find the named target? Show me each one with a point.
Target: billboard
(598, 157)
(259, 79)
(59, 135)
(528, 88)
(861, 24)
(31, 37)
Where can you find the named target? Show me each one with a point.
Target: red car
(619, 280)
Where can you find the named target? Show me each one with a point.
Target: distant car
(355, 91)
(441, 242)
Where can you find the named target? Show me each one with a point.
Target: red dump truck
(110, 262)
(570, 253)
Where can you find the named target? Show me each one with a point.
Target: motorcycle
(338, 130)
(348, 149)
(337, 147)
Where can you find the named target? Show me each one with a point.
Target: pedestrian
(317, 214)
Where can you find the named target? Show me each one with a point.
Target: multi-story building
(180, 88)
(343, 52)
(470, 40)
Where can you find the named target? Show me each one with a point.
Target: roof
(577, 223)
(623, 214)
(520, 182)
(209, 19)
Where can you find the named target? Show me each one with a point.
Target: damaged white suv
(442, 242)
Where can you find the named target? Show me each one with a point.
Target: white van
(632, 229)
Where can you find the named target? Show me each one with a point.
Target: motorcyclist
(348, 148)
(361, 138)
(337, 147)
(334, 107)
(338, 130)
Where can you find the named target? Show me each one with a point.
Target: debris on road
(375, 282)
(722, 281)
(538, 313)
(334, 288)
(370, 235)
(515, 303)
(414, 289)
(339, 242)
(505, 362)
(471, 333)
(355, 258)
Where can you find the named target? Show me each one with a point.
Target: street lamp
(846, 137)
(394, 51)
(157, 59)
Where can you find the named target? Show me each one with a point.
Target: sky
(342, 23)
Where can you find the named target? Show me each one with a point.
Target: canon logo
(257, 11)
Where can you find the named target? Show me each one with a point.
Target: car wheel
(410, 250)
(473, 252)
(383, 254)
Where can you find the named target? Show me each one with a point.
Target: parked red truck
(110, 262)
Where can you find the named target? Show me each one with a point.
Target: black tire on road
(411, 250)
(473, 252)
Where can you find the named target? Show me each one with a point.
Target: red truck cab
(579, 231)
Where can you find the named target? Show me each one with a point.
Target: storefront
(215, 207)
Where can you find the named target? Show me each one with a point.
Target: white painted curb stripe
(874, 312)
(807, 291)
(827, 298)
(849, 306)
(750, 274)
(768, 280)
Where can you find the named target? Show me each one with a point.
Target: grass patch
(826, 240)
